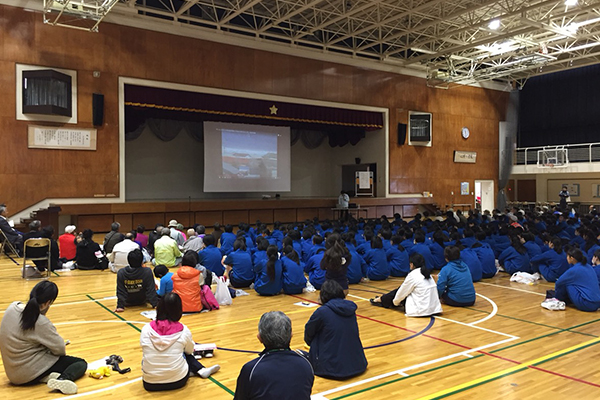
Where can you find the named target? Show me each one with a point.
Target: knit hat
(70, 228)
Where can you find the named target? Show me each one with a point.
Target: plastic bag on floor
(523, 277)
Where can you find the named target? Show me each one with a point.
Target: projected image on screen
(249, 155)
(246, 158)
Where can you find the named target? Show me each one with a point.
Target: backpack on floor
(208, 299)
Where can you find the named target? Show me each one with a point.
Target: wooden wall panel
(149, 220)
(325, 213)
(264, 216)
(388, 211)
(399, 210)
(183, 218)
(526, 190)
(307, 213)
(285, 215)
(209, 218)
(409, 211)
(97, 223)
(43, 174)
(235, 217)
(126, 221)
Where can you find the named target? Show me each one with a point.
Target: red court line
(469, 348)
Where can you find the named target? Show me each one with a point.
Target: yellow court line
(506, 371)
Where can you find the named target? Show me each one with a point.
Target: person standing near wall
(564, 195)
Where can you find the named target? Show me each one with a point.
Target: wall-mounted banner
(47, 137)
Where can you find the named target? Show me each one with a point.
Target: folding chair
(36, 250)
(6, 246)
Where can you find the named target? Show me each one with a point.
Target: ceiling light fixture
(570, 3)
(494, 24)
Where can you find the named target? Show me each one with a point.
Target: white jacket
(422, 298)
(118, 257)
(163, 360)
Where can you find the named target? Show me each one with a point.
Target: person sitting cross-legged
(455, 285)
(417, 296)
(168, 349)
(135, 283)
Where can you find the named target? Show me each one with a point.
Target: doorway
(484, 195)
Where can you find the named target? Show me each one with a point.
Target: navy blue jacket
(550, 264)
(316, 275)
(579, 285)
(377, 265)
(335, 347)
(357, 269)
(469, 257)
(513, 261)
(437, 252)
(227, 240)
(293, 276)
(398, 261)
(275, 375)
(423, 249)
(487, 259)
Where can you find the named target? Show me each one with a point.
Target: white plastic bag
(523, 277)
(222, 293)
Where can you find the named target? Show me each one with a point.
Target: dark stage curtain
(560, 108)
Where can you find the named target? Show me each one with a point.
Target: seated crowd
(321, 255)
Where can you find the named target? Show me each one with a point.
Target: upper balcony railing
(565, 154)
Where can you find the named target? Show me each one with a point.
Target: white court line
(494, 310)
(512, 288)
(465, 353)
(477, 327)
(77, 302)
(100, 322)
(358, 297)
(101, 390)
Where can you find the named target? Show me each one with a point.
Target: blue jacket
(306, 248)
(513, 261)
(262, 284)
(335, 347)
(455, 280)
(357, 269)
(551, 264)
(590, 252)
(533, 249)
(316, 275)
(469, 257)
(437, 252)
(227, 240)
(423, 249)
(293, 276)
(377, 265)
(166, 284)
(241, 263)
(210, 257)
(579, 285)
(398, 261)
(485, 254)
(501, 243)
(280, 374)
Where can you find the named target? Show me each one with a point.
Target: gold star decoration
(273, 110)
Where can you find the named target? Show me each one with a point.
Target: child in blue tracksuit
(227, 239)
(316, 275)
(211, 256)
(166, 281)
(293, 274)
(238, 264)
(486, 256)
(579, 284)
(378, 268)
(455, 285)
(397, 258)
(269, 274)
(515, 258)
(552, 263)
(469, 257)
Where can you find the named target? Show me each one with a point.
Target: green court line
(55, 273)
(113, 313)
(139, 330)
(560, 330)
(219, 384)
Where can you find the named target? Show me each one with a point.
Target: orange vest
(186, 285)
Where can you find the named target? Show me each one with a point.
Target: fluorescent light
(569, 3)
(494, 24)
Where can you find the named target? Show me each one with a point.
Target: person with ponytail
(552, 263)
(32, 350)
(579, 284)
(238, 265)
(514, 258)
(293, 273)
(269, 279)
(335, 261)
(417, 296)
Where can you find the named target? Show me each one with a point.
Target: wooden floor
(505, 346)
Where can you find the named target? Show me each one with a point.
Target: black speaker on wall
(98, 109)
(401, 134)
